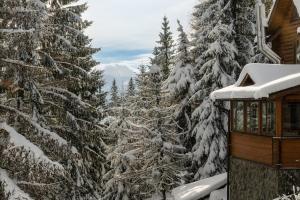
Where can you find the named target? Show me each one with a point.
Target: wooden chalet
(264, 128)
(265, 115)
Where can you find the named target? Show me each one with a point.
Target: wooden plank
(252, 147)
(290, 153)
(284, 93)
(284, 44)
(231, 117)
(260, 132)
(293, 97)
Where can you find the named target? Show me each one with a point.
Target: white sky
(126, 31)
(133, 24)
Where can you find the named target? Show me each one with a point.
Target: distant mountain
(122, 71)
(122, 74)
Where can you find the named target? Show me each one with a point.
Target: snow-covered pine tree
(50, 143)
(164, 52)
(23, 141)
(217, 68)
(131, 88)
(164, 154)
(141, 81)
(114, 95)
(182, 75)
(245, 29)
(96, 96)
(148, 149)
(152, 113)
(118, 186)
(181, 81)
(71, 51)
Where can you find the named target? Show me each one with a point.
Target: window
(291, 119)
(252, 117)
(238, 116)
(268, 118)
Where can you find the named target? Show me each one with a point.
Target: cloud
(131, 64)
(133, 24)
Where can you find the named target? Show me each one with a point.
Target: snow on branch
(16, 31)
(84, 72)
(18, 140)
(50, 134)
(70, 94)
(11, 189)
(18, 10)
(66, 42)
(38, 4)
(22, 64)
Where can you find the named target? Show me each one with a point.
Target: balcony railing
(283, 152)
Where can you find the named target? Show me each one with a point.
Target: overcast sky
(128, 29)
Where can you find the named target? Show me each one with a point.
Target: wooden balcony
(280, 152)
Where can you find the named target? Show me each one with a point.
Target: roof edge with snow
(267, 79)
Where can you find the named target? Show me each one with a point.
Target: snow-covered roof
(200, 189)
(267, 78)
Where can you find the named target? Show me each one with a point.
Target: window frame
(245, 130)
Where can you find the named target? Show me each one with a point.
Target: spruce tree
(245, 29)
(118, 185)
(51, 145)
(218, 68)
(146, 158)
(182, 76)
(164, 52)
(94, 92)
(131, 88)
(114, 95)
(181, 82)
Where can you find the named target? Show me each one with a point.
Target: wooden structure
(267, 131)
(265, 101)
(264, 128)
(265, 115)
(282, 30)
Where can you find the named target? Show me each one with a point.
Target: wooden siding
(290, 153)
(252, 147)
(285, 43)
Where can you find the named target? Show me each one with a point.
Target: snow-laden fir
(51, 146)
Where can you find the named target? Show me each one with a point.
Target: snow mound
(202, 188)
(268, 79)
(219, 194)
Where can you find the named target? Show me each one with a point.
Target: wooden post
(277, 139)
(260, 132)
(279, 117)
(245, 116)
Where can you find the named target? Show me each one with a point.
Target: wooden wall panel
(285, 44)
(252, 147)
(290, 153)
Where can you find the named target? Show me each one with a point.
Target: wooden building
(264, 128)
(265, 115)
(282, 30)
